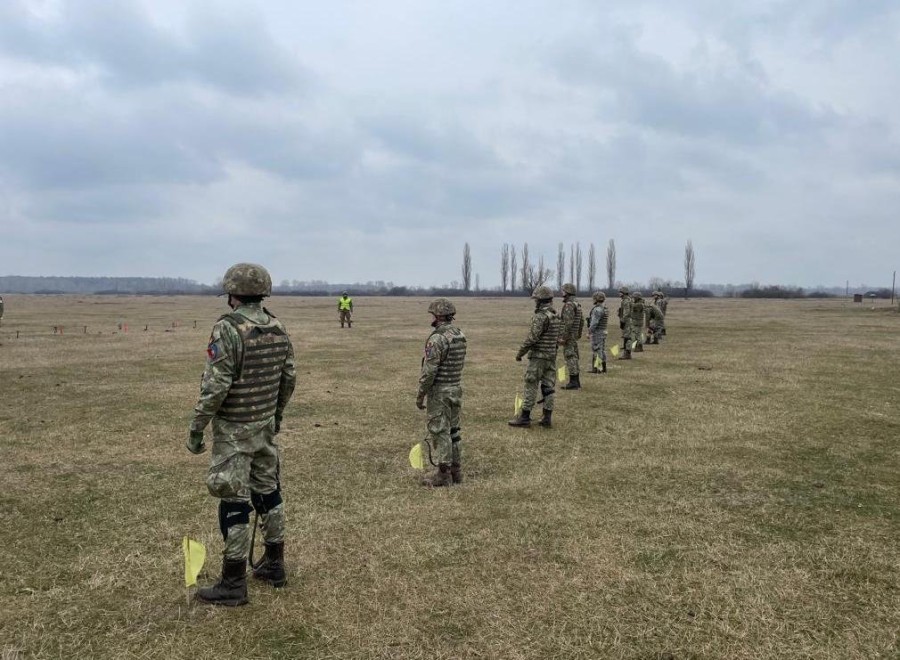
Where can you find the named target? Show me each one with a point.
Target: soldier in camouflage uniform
(1, 308)
(662, 303)
(440, 382)
(625, 322)
(541, 346)
(248, 380)
(654, 321)
(637, 321)
(345, 309)
(598, 320)
(572, 327)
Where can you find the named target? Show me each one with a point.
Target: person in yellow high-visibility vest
(345, 309)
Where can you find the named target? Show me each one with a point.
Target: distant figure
(663, 304)
(1, 308)
(441, 383)
(345, 309)
(637, 321)
(572, 328)
(248, 380)
(625, 322)
(541, 346)
(597, 324)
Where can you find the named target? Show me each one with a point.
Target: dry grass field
(732, 493)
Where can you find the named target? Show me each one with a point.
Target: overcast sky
(350, 141)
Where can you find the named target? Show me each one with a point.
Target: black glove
(420, 402)
(277, 423)
(195, 442)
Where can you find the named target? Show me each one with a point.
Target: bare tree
(527, 271)
(560, 265)
(504, 266)
(513, 268)
(477, 282)
(577, 267)
(611, 264)
(688, 267)
(571, 262)
(592, 267)
(467, 268)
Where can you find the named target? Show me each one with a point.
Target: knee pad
(546, 391)
(263, 503)
(454, 434)
(233, 513)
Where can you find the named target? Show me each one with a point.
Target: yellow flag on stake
(597, 362)
(517, 406)
(194, 556)
(416, 459)
(634, 344)
(614, 350)
(562, 374)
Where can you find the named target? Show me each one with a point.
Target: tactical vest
(547, 345)
(625, 309)
(253, 396)
(603, 315)
(662, 304)
(637, 311)
(450, 369)
(579, 320)
(345, 303)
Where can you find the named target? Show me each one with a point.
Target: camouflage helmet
(624, 290)
(657, 294)
(247, 280)
(345, 293)
(599, 296)
(569, 289)
(442, 307)
(543, 292)
(637, 295)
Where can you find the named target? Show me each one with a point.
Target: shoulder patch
(214, 352)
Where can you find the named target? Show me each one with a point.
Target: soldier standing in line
(663, 305)
(625, 322)
(572, 328)
(248, 380)
(440, 382)
(654, 321)
(541, 346)
(637, 321)
(598, 320)
(345, 309)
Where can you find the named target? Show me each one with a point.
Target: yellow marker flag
(562, 374)
(597, 362)
(643, 338)
(194, 556)
(614, 350)
(634, 344)
(517, 406)
(416, 459)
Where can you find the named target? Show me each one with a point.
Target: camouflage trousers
(628, 334)
(570, 352)
(244, 473)
(442, 407)
(540, 371)
(598, 345)
(345, 316)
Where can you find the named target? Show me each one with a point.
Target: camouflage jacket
(445, 356)
(654, 315)
(625, 309)
(572, 320)
(598, 319)
(225, 354)
(543, 337)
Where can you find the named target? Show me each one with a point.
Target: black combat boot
(574, 383)
(231, 589)
(547, 419)
(639, 348)
(456, 473)
(524, 419)
(626, 356)
(663, 332)
(603, 367)
(439, 478)
(349, 324)
(271, 568)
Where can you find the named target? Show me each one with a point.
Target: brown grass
(729, 494)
